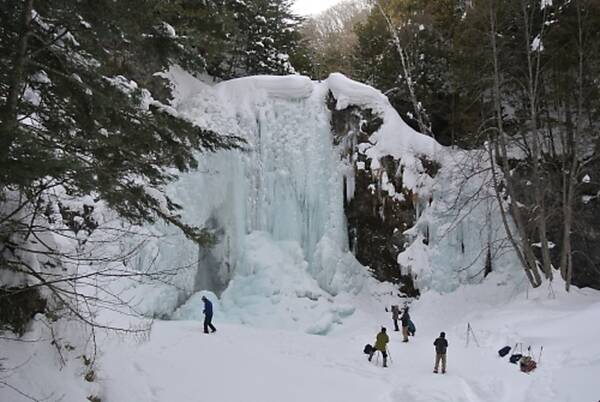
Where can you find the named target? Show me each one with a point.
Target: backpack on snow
(368, 349)
(504, 351)
(515, 358)
(527, 364)
(517, 353)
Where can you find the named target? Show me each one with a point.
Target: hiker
(208, 313)
(381, 345)
(441, 345)
(395, 316)
(405, 320)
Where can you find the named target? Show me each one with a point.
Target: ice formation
(282, 257)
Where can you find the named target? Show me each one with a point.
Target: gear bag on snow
(515, 358)
(527, 364)
(504, 351)
(368, 349)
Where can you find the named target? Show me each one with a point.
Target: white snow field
(293, 307)
(241, 363)
(179, 363)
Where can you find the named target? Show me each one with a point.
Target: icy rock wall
(276, 208)
(282, 258)
(418, 212)
(459, 229)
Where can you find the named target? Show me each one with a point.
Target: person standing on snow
(381, 345)
(441, 345)
(208, 313)
(405, 321)
(395, 316)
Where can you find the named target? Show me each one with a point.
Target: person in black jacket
(441, 345)
(405, 322)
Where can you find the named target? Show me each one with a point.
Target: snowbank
(285, 87)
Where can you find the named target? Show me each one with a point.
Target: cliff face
(378, 207)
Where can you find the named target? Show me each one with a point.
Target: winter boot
(435, 370)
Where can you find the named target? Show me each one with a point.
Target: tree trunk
(524, 252)
(9, 113)
(533, 79)
(567, 254)
(16, 75)
(420, 114)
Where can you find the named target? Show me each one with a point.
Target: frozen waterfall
(276, 208)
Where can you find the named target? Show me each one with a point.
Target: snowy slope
(241, 363)
(177, 362)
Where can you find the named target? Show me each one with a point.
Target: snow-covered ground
(240, 363)
(179, 363)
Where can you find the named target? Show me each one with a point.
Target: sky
(307, 7)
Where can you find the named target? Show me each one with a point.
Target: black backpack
(515, 358)
(504, 351)
(368, 349)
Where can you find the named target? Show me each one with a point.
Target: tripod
(470, 332)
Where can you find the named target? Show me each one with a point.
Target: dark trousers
(208, 323)
(439, 357)
(383, 352)
(396, 325)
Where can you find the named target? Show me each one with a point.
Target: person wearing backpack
(405, 320)
(381, 345)
(441, 345)
(208, 314)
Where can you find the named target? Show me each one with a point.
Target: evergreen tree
(266, 40)
(238, 38)
(75, 107)
(80, 115)
(72, 114)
